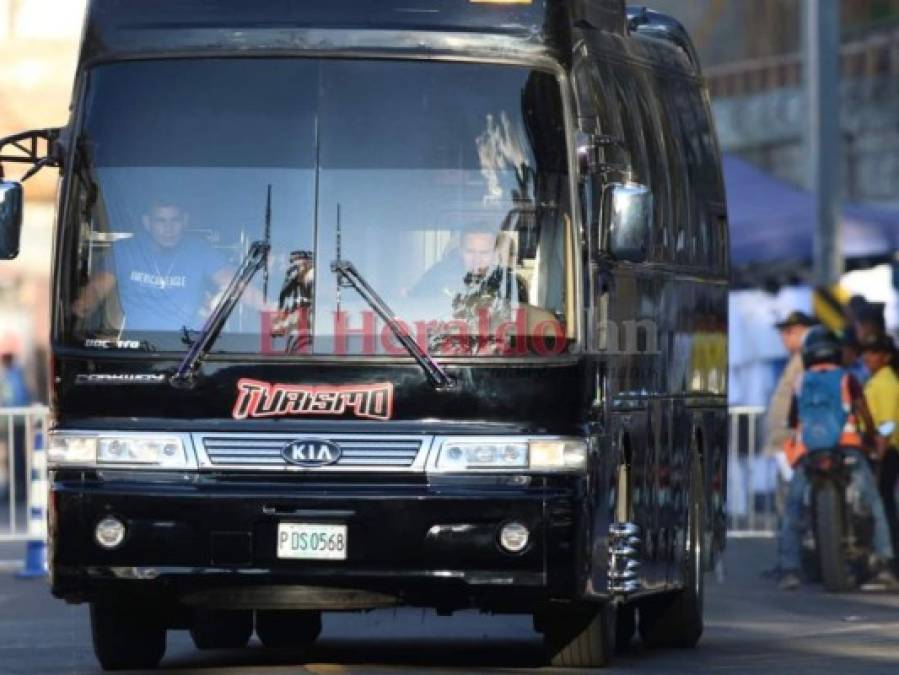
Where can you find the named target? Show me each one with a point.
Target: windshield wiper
(183, 378)
(436, 375)
(255, 260)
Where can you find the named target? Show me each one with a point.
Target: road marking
(7, 565)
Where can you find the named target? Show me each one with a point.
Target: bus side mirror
(627, 220)
(10, 219)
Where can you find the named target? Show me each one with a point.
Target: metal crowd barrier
(754, 480)
(23, 473)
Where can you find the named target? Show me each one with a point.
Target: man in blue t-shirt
(163, 274)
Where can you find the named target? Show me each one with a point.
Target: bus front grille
(357, 452)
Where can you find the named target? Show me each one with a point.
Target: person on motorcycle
(882, 396)
(827, 408)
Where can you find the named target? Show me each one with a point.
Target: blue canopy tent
(772, 222)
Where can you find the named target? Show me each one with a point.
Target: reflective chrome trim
(243, 451)
(624, 559)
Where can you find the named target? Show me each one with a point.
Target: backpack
(822, 410)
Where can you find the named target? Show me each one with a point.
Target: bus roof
(123, 28)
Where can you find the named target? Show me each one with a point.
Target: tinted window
(705, 184)
(445, 184)
(679, 164)
(657, 138)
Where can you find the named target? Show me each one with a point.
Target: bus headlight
(141, 450)
(465, 454)
(72, 450)
(136, 450)
(461, 455)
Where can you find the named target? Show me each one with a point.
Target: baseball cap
(796, 318)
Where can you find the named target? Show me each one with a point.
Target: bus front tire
(580, 637)
(126, 637)
(625, 627)
(675, 619)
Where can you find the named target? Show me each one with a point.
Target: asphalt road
(750, 628)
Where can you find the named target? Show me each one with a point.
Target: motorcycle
(839, 527)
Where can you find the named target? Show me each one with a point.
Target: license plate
(312, 541)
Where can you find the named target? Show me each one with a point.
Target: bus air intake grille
(267, 452)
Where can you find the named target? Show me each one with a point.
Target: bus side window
(657, 135)
(703, 183)
(610, 113)
(679, 165)
(620, 106)
(691, 130)
(636, 157)
(712, 189)
(720, 237)
(589, 104)
(601, 101)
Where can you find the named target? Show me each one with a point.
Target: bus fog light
(514, 537)
(110, 532)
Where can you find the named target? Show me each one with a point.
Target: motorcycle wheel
(829, 536)
(810, 565)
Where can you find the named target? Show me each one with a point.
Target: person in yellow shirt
(882, 396)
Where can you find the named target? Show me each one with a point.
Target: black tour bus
(358, 305)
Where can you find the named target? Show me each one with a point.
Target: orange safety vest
(850, 437)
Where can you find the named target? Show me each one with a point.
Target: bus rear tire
(221, 629)
(127, 637)
(288, 629)
(625, 627)
(675, 619)
(580, 637)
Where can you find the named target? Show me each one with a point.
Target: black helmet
(820, 346)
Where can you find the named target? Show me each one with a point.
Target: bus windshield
(445, 184)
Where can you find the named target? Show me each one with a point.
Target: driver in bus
(163, 274)
(477, 282)
(481, 265)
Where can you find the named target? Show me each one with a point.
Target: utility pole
(821, 28)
